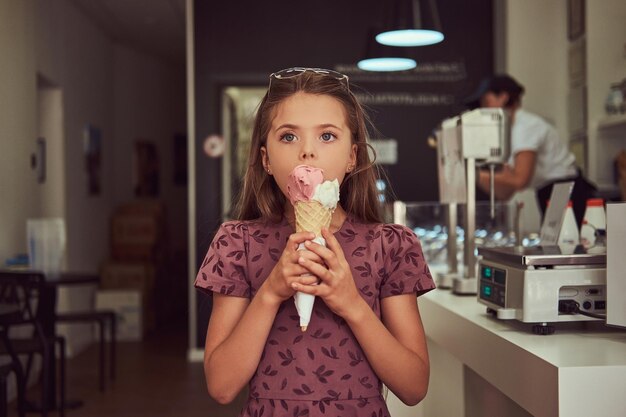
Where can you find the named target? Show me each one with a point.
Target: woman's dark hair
(497, 84)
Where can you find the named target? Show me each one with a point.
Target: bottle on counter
(569, 234)
(594, 222)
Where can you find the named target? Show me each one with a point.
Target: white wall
(535, 49)
(18, 101)
(606, 64)
(536, 55)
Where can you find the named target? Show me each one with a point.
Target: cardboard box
(138, 276)
(137, 231)
(128, 307)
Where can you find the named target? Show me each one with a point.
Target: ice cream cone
(314, 201)
(311, 216)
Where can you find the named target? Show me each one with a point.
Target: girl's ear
(352, 160)
(266, 160)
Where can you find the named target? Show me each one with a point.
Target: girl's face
(312, 130)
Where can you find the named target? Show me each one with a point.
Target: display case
(429, 222)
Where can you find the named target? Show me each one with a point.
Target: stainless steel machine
(543, 284)
(480, 136)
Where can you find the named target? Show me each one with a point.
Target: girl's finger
(307, 280)
(327, 255)
(316, 290)
(299, 237)
(316, 269)
(310, 255)
(297, 270)
(332, 243)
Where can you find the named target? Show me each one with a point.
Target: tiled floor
(153, 379)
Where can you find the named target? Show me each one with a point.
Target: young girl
(365, 329)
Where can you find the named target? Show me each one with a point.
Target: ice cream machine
(479, 137)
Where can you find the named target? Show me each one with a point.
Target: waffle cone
(311, 216)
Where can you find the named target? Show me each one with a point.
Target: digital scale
(543, 284)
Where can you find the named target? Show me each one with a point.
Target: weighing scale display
(492, 284)
(486, 272)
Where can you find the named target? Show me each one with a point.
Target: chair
(101, 318)
(5, 370)
(21, 295)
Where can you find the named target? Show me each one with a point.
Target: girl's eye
(328, 137)
(288, 137)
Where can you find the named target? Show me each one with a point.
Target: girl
(365, 329)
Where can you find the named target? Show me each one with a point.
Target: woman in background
(539, 159)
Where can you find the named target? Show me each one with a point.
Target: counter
(578, 371)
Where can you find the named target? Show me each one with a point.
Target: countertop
(578, 371)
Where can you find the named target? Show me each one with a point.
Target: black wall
(241, 43)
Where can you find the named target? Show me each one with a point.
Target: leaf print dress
(322, 372)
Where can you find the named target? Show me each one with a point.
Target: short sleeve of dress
(406, 270)
(225, 264)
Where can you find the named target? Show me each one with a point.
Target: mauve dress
(321, 372)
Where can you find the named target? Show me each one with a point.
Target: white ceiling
(156, 27)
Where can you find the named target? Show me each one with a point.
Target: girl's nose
(308, 150)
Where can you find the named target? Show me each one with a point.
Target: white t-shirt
(554, 161)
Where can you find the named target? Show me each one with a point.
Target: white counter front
(578, 371)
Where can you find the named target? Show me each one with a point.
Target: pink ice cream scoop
(302, 182)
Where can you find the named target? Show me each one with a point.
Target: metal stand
(446, 280)
(468, 283)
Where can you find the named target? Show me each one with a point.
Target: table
(46, 313)
(48, 304)
(578, 371)
(49, 309)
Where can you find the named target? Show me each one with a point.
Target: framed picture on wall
(575, 19)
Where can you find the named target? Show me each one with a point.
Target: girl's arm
(238, 327)
(235, 338)
(395, 346)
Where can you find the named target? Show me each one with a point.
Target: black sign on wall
(241, 43)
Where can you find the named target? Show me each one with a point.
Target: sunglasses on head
(297, 71)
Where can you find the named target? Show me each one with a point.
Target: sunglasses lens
(296, 71)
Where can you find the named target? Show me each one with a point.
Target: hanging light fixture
(412, 23)
(383, 58)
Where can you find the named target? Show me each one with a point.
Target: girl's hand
(287, 271)
(336, 287)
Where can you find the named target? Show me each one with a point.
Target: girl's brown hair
(261, 197)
